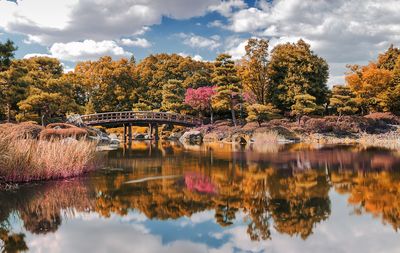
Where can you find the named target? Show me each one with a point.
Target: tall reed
(23, 157)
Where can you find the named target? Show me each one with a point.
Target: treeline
(291, 81)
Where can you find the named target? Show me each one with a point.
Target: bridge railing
(109, 117)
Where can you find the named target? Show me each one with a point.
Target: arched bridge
(139, 118)
(142, 118)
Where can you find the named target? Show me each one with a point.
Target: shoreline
(382, 131)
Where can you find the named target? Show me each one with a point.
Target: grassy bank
(25, 157)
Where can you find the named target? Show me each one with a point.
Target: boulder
(192, 137)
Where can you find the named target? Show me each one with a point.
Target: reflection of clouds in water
(341, 233)
(106, 236)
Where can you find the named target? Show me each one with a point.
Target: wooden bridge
(139, 118)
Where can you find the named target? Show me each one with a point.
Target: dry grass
(25, 158)
(266, 142)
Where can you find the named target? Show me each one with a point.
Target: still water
(214, 198)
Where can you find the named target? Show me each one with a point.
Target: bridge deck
(140, 117)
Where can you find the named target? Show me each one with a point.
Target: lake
(214, 198)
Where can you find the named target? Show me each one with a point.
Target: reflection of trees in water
(294, 199)
(374, 192)
(12, 242)
(41, 209)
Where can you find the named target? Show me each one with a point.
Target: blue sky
(341, 31)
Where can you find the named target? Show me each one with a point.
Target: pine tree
(173, 96)
(228, 85)
(261, 113)
(304, 105)
(343, 101)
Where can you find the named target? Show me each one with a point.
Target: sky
(341, 31)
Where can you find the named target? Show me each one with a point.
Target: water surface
(215, 198)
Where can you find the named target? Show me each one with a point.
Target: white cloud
(226, 7)
(48, 21)
(139, 42)
(198, 58)
(87, 50)
(194, 57)
(27, 56)
(196, 41)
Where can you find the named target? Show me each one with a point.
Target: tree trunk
(212, 116)
(299, 119)
(8, 112)
(233, 117)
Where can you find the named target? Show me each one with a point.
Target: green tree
(294, 69)
(173, 96)
(228, 85)
(261, 113)
(7, 50)
(254, 69)
(343, 101)
(304, 105)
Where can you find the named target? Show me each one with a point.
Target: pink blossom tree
(200, 99)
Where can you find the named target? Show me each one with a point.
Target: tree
(155, 70)
(13, 87)
(228, 85)
(370, 85)
(254, 69)
(49, 95)
(7, 50)
(388, 59)
(200, 100)
(304, 105)
(261, 113)
(343, 101)
(111, 85)
(294, 69)
(173, 95)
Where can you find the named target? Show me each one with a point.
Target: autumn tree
(305, 104)
(13, 87)
(48, 95)
(7, 51)
(156, 70)
(173, 95)
(343, 101)
(388, 59)
(200, 99)
(228, 85)
(254, 70)
(370, 85)
(111, 85)
(294, 69)
(261, 113)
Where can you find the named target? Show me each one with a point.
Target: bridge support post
(125, 134)
(156, 136)
(130, 132)
(150, 131)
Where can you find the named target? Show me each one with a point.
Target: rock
(192, 137)
(175, 136)
(241, 138)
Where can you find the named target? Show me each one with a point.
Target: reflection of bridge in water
(128, 119)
